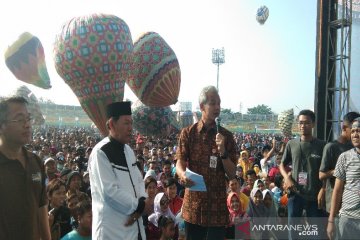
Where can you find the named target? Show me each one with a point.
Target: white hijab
(154, 217)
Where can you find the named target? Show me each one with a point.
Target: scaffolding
(336, 21)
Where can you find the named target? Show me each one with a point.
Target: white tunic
(116, 186)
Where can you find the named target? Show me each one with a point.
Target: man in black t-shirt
(303, 184)
(332, 151)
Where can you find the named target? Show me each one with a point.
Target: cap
(117, 109)
(48, 160)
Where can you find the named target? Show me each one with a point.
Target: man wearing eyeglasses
(304, 154)
(23, 202)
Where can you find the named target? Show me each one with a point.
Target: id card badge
(302, 179)
(213, 161)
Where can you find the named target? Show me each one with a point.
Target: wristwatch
(225, 155)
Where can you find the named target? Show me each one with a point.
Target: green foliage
(260, 109)
(226, 111)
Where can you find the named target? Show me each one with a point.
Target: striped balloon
(155, 72)
(92, 54)
(26, 60)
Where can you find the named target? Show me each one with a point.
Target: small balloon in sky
(262, 14)
(26, 60)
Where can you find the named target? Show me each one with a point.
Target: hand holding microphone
(220, 139)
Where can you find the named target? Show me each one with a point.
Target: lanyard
(303, 159)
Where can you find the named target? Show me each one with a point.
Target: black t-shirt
(62, 217)
(305, 157)
(331, 153)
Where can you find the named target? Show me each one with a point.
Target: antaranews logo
(260, 228)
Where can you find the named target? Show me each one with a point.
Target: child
(161, 208)
(84, 219)
(257, 211)
(236, 214)
(167, 228)
(233, 187)
(151, 190)
(175, 202)
(59, 215)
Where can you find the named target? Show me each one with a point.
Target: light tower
(218, 58)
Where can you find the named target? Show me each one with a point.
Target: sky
(272, 64)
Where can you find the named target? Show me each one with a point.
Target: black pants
(197, 232)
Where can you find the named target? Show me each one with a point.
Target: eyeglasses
(306, 123)
(22, 121)
(164, 201)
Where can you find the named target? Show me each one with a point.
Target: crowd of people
(72, 184)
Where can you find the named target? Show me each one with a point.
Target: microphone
(217, 122)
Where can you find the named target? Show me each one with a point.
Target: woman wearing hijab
(270, 213)
(257, 212)
(259, 184)
(236, 214)
(244, 162)
(161, 208)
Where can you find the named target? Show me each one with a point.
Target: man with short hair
(332, 151)
(304, 154)
(346, 194)
(250, 180)
(209, 150)
(267, 153)
(166, 168)
(23, 201)
(117, 187)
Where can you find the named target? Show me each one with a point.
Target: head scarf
(272, 212)
(246, 153)
(231, 211)
(256, 211)
(154, 217)
(256, 184)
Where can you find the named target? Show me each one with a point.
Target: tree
(260, 109)
(226, 111)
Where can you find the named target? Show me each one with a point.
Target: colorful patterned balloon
(33, 106)
(262, 14)
(155, 71)
(286, 120)
(153, 121)
(26, 60)
(92, 54)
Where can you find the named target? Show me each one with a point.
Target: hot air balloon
(153, 121)
(26, 60)
(286, 120)
(262, 14)
(33, 104)
(154, 76)
(185, 119)
(92, 54)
